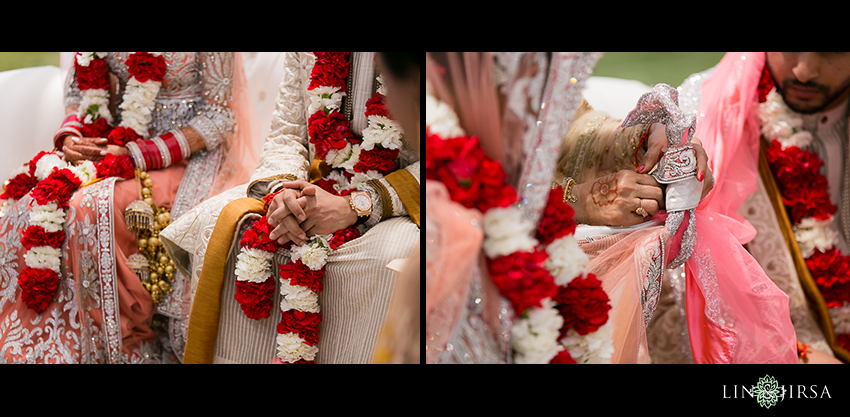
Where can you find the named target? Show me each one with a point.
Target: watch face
(361, 202)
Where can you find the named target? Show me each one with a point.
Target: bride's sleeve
(285, 151)
(214, 121)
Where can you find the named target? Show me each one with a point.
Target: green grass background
(648, 67)
(15, 60)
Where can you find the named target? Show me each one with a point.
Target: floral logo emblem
(768, 391)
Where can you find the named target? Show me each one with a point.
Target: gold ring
(640, 210)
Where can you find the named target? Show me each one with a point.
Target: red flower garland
(327, 130)
(583, 304)
(476, 181)
(805, 193)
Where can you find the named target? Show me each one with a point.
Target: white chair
(31, 110)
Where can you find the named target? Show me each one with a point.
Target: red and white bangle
(70, 126)
(160, 152)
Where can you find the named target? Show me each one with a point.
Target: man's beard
(807, 107)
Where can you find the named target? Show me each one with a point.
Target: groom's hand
(285, 213)
(326, 212)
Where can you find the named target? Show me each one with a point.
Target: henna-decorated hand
(656, 145)
(612, 200)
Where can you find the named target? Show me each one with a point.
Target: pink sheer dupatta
(728, 126)
(735, 313)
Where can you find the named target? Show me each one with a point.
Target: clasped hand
(93, 149)
(614, 200)
(303, 210)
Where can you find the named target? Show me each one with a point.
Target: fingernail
(75, 139)
(272, 236)
(641, 168)
(302, 236)
(103, 152)
(701, 176)
(301, 217)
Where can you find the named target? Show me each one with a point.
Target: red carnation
(255, 299)
(34, 161)
(375, 106)
(557, 220)
(342, 236)
(97, 129)
(121, 135)
(563, 357)
(843, 340)
(522, 278)
(59, 186)
(19, 186)
(377, 159)
(765, 84)
(583, 304)
(257, 236)
(327, 185)
(144, 66)
(115, 166)
(299, 274)
(37, 236)
(472, 179)
(93, 77)
(329, 70)
(38, 285)
(304, 323)
(329, 131)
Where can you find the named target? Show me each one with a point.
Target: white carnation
(296, 297)
(85, 172)
(566, 259)
(593, 348)
(342, 183)
(315, 257)
(99, 98)
(534, 336)
(814, 234)
(324, 96)
(360, 178)
(382, 131)
(46, 164)
(352, 160)
(253, 265)
(43, 257)
(138, 98)
(48, 216)
(291, 348)
(382, 87)
(506, 232)
(337, 157)
(441, 119)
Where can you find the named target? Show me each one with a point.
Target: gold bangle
(568, 191)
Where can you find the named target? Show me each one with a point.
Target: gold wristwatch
(361, 203)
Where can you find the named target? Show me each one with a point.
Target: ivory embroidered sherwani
(357, 285)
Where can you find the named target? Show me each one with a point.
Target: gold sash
(206, 308)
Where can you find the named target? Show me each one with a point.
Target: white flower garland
(534, 337)
(137, 103)
(780, 123)
(315, 252)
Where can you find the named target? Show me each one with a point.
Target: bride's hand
(617, 199)
(93, 149)
(656, 146)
